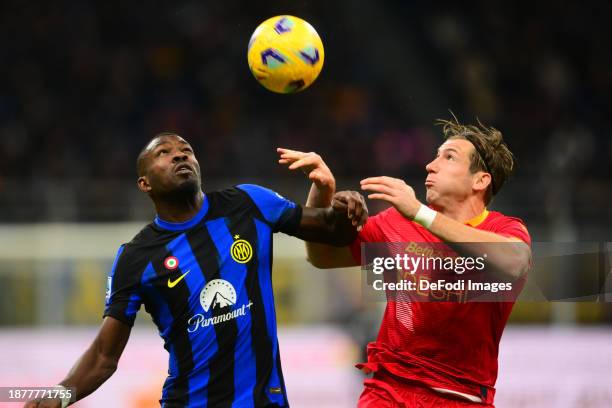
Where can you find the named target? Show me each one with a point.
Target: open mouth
(183, 169)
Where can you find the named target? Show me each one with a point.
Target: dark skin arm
(322, 194)
(336, 225)
(96, 365)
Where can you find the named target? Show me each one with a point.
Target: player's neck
(181, 209)
(463, 211)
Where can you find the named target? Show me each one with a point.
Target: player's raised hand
(354, 204)
(311, 164)
(394, 191)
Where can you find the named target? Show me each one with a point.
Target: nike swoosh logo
(175, 282)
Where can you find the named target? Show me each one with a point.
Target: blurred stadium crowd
(84, 85)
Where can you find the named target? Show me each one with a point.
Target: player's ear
(481, 181)
(143, 184)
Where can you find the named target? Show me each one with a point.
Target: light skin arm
(321, 195)
(96, 365)
(510, 260)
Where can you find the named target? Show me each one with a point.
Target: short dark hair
(491, 154)
(141, 161)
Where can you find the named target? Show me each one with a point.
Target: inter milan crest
(241, 250)
(171, 263)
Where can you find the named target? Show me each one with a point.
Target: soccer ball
(285, 54)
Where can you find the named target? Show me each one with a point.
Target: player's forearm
(321, 196)
(326, 226)
(342, 231)
(90, 372)
(316, 253)
(507, 257)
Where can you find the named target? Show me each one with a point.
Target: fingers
(361, 211)
(389, 186)
(378, 180)
(287, 156)
(382, 181)
(378, 188)
(343, 196)
(300, 160)
(380, 196)
(282, 151)
(303, 162)
(292, 155)
(350, 209)
(338, 205)
(354, 204)
(363, 217)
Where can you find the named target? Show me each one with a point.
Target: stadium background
(84, 85)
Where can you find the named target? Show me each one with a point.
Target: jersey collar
(477, 220)
(180, 226)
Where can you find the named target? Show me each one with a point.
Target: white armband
(425, 216)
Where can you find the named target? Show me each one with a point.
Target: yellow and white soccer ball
(285, 54)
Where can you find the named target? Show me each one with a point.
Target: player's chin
(430, 196)
(187, 184)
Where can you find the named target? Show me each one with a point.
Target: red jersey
(444, 345)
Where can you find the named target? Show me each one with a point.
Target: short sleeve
(123, 297)
(513, 228)
(282, 214)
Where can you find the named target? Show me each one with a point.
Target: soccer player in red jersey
(434, 354)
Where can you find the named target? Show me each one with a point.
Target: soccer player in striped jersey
(202, 269)
(435, 354)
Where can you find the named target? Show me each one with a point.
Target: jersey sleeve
(283, 215)
(512, 227)
(371, 232)
(123, 297)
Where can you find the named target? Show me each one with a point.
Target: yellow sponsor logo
(426, 250)
(173, 283)
(241, 250)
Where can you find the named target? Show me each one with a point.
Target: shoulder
(272, 206)
(226, 196)
(138, 250)
(249, 199)
(243, 193)
(147, 234)
(261, 194)
(506, 225)
(496, 218)
(226, 202)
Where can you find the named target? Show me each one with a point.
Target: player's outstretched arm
(321, 195)
(96, 365)
(510, 260)
(331, 225)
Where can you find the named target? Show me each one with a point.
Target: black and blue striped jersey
(207, 285)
